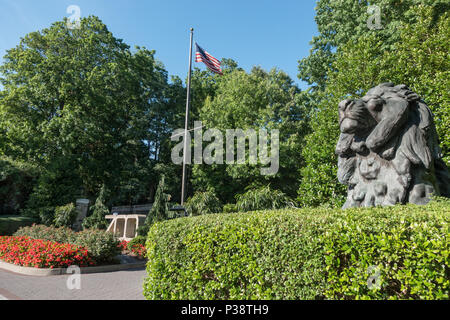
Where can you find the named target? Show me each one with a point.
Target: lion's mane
(389, 149)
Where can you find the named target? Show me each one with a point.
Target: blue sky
(268, 33)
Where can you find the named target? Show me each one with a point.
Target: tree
(256, 100)
(16, 183)
(204, 85)
(99, 210)
(160, 208)
(87, 111)
(341, 21)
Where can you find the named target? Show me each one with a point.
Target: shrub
(305, 253)
(97, 219)
(143, 230)
(123, 245)
(102, 245)
(403, 251)
(138, 250)
(42, 232)
(45, 215)
(28, 252)
(261, 199)
(139, 240)
(65, 215)
(230, 208)
(203, 203)
(136, 247)
(159, 210)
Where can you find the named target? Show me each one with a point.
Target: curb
(39, 272)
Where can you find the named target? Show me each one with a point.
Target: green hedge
(399, 252)
(65, 216)
(9, 224)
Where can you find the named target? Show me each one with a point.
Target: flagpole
(186, 124)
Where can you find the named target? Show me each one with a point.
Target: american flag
(212, 63)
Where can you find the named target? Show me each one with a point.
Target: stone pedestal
(82, 209)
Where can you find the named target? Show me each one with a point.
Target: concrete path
(118, 285)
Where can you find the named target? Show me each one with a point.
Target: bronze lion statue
(388, 150)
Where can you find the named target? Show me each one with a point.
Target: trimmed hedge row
(399, 252)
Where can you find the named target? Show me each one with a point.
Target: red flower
(25, 251)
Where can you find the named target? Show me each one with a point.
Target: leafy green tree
(159, 210)
(16, 183)
(160, 207)
(85, 109)
(341, 21)
(422, 62)
(56, 185)
(256, 100)
(204, 85)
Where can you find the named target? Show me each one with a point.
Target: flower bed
(123, 245)
(28, 252)
(101, 245)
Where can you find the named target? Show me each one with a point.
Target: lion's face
(360, 115)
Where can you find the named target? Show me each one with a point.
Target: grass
(10, 224)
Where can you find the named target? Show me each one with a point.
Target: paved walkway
(118, 285)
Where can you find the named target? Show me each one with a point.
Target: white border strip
(61, 271)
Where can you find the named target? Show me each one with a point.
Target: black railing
(180, 212)
(138, 209)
